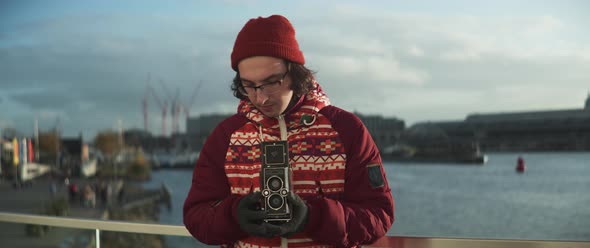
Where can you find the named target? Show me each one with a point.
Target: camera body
(275, 178)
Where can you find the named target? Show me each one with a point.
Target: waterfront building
(198, 128)
(546, 130)
(384, 131)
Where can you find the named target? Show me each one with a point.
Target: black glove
(251, 218)
(299, 218)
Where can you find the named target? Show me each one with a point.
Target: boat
(88, 168)
(31, 170)
(19, 163)
(520, 166)
(399, 151)
(431, 144)
(171, 160)
(435, 152)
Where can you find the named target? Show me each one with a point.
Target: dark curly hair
(301, 76)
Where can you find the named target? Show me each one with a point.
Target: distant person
(52, 188)
(52, 185)
(121, 196)
(103, 192)
(339, 194)
(73, 192)
(89, 196)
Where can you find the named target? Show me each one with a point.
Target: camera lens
(275, 183)
(275, 201)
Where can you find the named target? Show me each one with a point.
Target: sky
(84, 65)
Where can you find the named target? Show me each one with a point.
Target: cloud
(371, 68)
(6, 124)
(528, 38)
(106, 73)
(50, 115)
(90, 70)
(457, 37)
(415, 51)
(463, 55)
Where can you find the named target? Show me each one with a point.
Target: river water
(550, 201)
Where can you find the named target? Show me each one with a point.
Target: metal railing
(177, 230)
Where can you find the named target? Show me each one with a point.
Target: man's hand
(251, 218)
(299, 219)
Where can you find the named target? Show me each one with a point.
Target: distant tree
(49, 143)
(139, 168)
(107, 142)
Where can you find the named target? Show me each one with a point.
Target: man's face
(275, 94)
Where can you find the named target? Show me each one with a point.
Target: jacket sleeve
(365, 212)
(209, 208)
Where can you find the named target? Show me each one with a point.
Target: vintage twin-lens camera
(276, 180)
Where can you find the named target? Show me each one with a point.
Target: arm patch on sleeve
(375, 175)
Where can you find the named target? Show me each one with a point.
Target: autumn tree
(139, 169)
(49, 143)
(107, 142)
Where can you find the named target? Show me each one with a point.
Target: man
(339, 193)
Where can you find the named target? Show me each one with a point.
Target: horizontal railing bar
(177, 230)
(428, 242)
(80, 223)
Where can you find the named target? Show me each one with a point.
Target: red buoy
(520, 167)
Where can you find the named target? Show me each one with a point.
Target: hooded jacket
(337, 170)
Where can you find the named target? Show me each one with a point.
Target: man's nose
(261, 98)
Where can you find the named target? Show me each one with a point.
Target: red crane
(174, 108)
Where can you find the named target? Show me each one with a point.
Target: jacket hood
(305, 110)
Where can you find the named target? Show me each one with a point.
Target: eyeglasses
(267, 88)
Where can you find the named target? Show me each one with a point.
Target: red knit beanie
(272, 36)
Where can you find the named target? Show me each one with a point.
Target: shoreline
(33, 199)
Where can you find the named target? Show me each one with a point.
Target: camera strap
(283, 127)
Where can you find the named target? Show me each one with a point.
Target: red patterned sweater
(334, 162)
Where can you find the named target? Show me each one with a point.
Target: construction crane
(174, 109)
(177, 106)
(149, 90)
(187, 107)
(145, 106)
(175, 112)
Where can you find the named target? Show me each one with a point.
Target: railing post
(97, 238)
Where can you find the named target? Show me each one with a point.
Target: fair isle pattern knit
(316, 155)
(291, 243)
